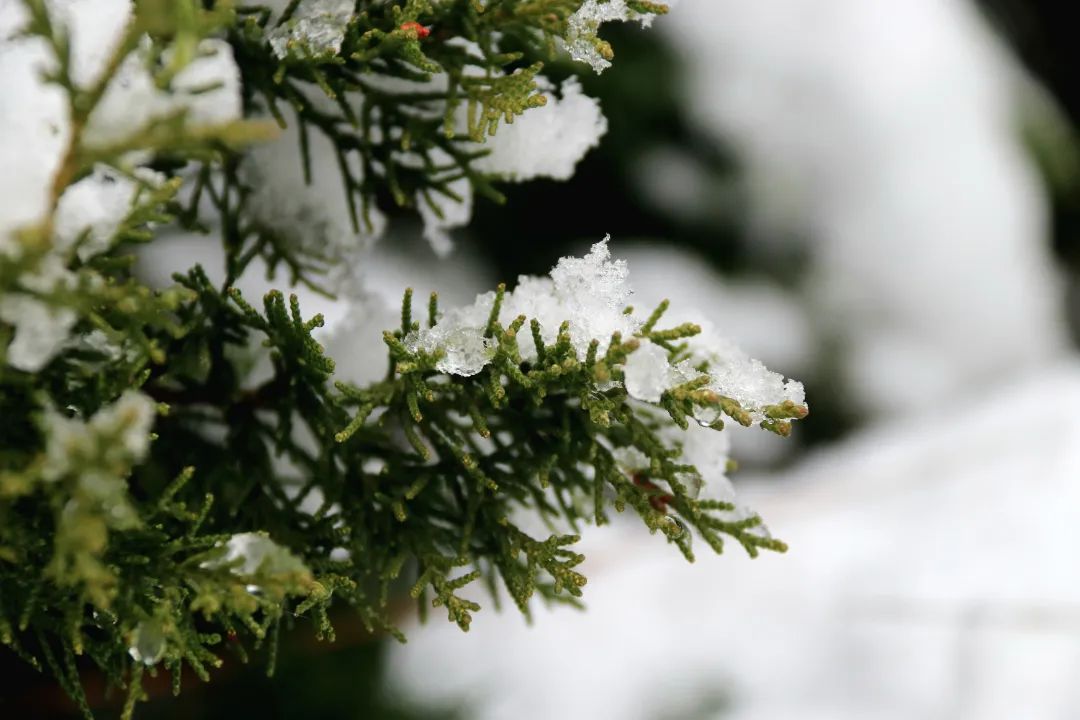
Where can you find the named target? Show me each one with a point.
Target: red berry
(421, 31)
(657, 499)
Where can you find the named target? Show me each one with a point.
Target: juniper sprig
(159, 495)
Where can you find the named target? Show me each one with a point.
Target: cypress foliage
(148, 504)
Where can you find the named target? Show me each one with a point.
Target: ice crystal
(591, 293)
(630, 459)
(459, 334)
(315, 30)
(256, 553)
(581, 28)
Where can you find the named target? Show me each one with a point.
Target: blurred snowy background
(870, 190)
(880, 200)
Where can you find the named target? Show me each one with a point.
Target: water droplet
(679, 531)
(148, 642)
(693, 485)
(706, 415)
(109, 617)
(675, 527)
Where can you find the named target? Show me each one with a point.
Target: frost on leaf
(315, 30)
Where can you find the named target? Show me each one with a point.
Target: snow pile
(544, 142)
(35, 126)
(732, 373)
(41, 328)
(35, 115)
(206, 91)
(547, 141)
(591, 293)
(769, 322)
(91, 211)
(87, 218)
